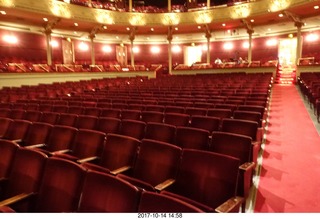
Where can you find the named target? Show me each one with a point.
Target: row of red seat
(309, 84)
(58, 185)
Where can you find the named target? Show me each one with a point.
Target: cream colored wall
(226, 71)
(18, 79)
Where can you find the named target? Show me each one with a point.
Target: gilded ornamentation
(278, 5)
(240, 11)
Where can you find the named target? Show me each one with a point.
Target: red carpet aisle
(290, 173)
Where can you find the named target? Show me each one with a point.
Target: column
(49, 47)
(250, 32)
(93, 60)
(169, 38)
(131, 38)
(208, 36)
(208, 4)
(299, 41)
(130, 5)
(132, 53)
(169, 6)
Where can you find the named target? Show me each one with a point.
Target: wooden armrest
(231, 205)
(120, 170)
(87, 159)
(164, 184)
(15, 199)
(61, 152)
(18, 141)
(247, 166)
(36, 146)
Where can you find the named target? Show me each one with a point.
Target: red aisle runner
(290, 173)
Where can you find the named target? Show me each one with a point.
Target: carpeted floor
(290, 172)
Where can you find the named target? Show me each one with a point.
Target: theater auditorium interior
(159, 108)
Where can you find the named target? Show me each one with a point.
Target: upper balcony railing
(141, 8)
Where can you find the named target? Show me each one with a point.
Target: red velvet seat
(86, 122)
(108, 125)
(133, 128)
(4, 124)
(238, 146)
(17, 113)
(49, 117)
(86, 146)
(17, 129)
(155, 166)
(37, 133)
(32, 115)
(105, 193)
(7, 153)
(67, 119)
(220, 113)
(130, 114)
(107, 112)
(152, 116)
(61, 186)
(208, 181)
(176, 119)
(119, 152)
(60, 139)
(188, 137)
(24, 178)
(208, 123)
(160, 132)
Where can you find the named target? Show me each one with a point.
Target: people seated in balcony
(218, 61)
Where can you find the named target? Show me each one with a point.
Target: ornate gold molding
(219, 14)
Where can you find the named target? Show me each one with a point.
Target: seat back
(196, 111)
(25, 175)
(86, 122)
(7, 152)
(160, 132)
(88, 143)
(208, 123)
(152, 116)
(17, 129)
(248, 115)
(231, 144)
(4, 124)
(17, 113)
(92, 111)
(239, 126)
(76, 109)
(5, 112)
(32, 115)
(206, 177)
(106, 193)
(133, 128)
(176, 119)
(60, 108)
(188, 137)
(61, 138)
(108, 125)
(220, 113)
(67, 119)
(37, 134)
(49, 117)
(156, 162)
(130, 114)
(110, 112)
(119, 151)
(61, 186)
